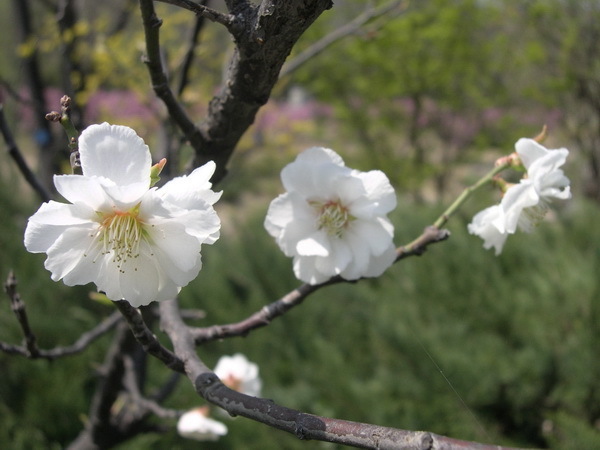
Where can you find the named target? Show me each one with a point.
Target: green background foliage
(437, 341)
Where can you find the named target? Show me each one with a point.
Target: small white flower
(525, 204)
(489, 225)
(195, 424)
(239, 374)
(134, 242)
(333, 220)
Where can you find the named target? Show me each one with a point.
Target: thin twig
(190, 54)
(159, 77)
(146, 338)
(268, 313)
(30, 350)
(338, 34)
(18, 307)
(213, 15)
(144, 405)
(17, 156)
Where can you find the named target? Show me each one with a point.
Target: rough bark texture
(264, 38)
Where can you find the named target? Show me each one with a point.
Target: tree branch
(47, 149)
(228, 20)
(144, 405)
(159, 78)
(268, 313)
(352, 27)
(17, 156)
(190, 53)
(31, 350)
(264, 40)
(146, 338)
(302, 425)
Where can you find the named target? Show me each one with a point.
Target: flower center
(333, 217)
(531, 217)
(121, 233)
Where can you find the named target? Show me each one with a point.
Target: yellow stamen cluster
(120, 234)
(533, 216)
(333, 217)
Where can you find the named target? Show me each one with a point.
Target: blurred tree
(568, 76)
(412, 90)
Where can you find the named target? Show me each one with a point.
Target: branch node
(206, 382)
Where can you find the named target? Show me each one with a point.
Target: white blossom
(195, 424)
(333, 220)
(525, 204)
(134, 242)
(239, 374)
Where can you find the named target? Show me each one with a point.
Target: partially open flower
(525, 204)
(239, 374)
(333, 220)
(195, 424)
(134, 242)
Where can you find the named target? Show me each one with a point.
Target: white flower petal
(82, 190)
(489, 226)
(195, 425)
(338, 259)
(140, 278)
(380, 263)
(320, 155)
(181, 249)
(114, 152)
(69, 250)
(379, 231)
(50, 221)
(289, 220)
(192, 191)
(515, 200)
(379, 196)
(237, 373)
(305, 269)
(529, 151)
(317, 244)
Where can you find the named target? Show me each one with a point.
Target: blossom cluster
(525, 204)
(142, 244)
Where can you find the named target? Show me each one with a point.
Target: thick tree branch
(269, 32)
(101, 431)
(302, 425)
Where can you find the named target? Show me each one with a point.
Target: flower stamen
(120, 234)
(333, 217)
(534, 215)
